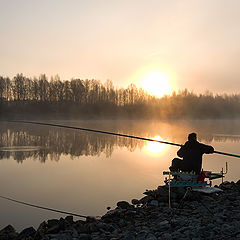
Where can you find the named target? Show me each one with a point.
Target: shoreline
(198, 216)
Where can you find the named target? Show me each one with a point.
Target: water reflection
(21, 141)
(154, 148)
(110, 168)
(43, 143)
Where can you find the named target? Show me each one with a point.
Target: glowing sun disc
(157, 84)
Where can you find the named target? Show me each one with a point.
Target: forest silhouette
(23, 97)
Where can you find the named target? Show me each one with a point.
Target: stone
(41, 231)
(238, 182)
(69, 219)
(135, 202)
(162, 226)
(81, 228)
(167, 236)
(141, 235)
(92, 227)
(174, 205)
(226, 185)
(146, 199)
(72, 231)
(60, 236)
(129, 236)
(149, 221)
(27, 232)
(8, 233)
(150, 236)
(177, 235)
(123, 205)
(53, 230)
(91, 219)
(7, 229)
(84, 237)
(52, 222)
(154, 203)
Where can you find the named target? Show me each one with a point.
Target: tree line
(23, 96)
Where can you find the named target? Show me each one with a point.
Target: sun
(157, 84)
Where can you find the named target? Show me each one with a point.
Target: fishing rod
(115, 134)
(97, 131)
(41, 207)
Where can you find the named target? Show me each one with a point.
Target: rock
(60, 236)
(154, 203)
(52, 222)
(41, 231)
(53, 230)
(174, 204)
(112, 214)
(129, 236)
(8, 233)
(141, 235)
(92, 227)
(177, 235)
(81, 228)
(226, 185)
(8, 229)
(124, 205)
(26, 233)
(167, 236)
(63, 224)
(226, 228)
(90, 219)
(162, 190)
(149, 221)
(162, 204)
(150, 236)
(135, 202)
(164, 225)
(84, 237)
(72, 231)
(69, 219)
(122, 223)
(146, 199)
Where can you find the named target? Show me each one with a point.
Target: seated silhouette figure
(191, 153)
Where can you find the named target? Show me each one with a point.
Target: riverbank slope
(197, 216)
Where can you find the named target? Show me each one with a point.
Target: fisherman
(191, 152)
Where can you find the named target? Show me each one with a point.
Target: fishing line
(97, 131)
(41, 207)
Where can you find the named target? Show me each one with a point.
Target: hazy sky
(197, 42)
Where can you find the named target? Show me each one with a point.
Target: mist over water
(86, 172)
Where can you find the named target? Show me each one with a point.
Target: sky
(193, 42)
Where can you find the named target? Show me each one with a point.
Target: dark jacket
(192, 152)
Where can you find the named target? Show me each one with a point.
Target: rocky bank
(198, 216)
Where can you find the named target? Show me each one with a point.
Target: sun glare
(155, 148)
(157, 84)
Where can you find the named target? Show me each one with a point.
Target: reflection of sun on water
(155, 148)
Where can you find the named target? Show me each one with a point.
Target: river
(85, 173)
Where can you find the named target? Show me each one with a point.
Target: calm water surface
(85, 172)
